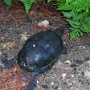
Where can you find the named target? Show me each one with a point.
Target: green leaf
(27, 4)
(77, 13)
(68, 1)
(86, 24)
(73, 35)
(68, 14)
(72, 22)
(49, 1)
(8, 2)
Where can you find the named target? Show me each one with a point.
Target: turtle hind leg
(31, 83)
(8, 62)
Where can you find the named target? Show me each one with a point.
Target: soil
(16, 26)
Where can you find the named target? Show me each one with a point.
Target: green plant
(27, 3)
(8, 2)
(77, 13)
(49, 1)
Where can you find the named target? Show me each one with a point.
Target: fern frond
(74, 5)
(77, 13)
(86, 25)
(27, 4)
(7, 2)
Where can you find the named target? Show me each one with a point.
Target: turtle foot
(7, 62)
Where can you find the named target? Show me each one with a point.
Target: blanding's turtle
(39, 53)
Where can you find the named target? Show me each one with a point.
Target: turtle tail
(61, 28)
(31, 83)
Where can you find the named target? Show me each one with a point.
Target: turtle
(39, 53)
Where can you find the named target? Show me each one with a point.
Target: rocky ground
(15, 29)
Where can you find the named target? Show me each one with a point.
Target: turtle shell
(40, 51)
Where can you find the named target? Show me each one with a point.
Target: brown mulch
(16, 12)
(14, 79)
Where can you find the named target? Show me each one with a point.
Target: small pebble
(64, 43)
(72, 76)
(68, 62)
(65, 68)
(64, 75)
(23, 37)
(37, 81)
(52, 83)
(87, 74)
(59, 63)
(59, 88)
(83, 47)
(51, 76)
(44, 23)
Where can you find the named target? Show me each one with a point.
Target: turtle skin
(40, 51)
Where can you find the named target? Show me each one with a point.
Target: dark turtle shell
(40, 50)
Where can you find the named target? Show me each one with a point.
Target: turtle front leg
(8, 62)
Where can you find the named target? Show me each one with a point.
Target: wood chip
(8, 45)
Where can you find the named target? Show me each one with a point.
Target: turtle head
(61, 28)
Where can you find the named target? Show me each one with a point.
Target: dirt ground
(16, 26)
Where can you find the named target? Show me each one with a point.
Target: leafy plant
(49, 1)
(77, 13)
(8, 2)
(27, 4)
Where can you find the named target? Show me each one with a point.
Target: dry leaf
(8, 45)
